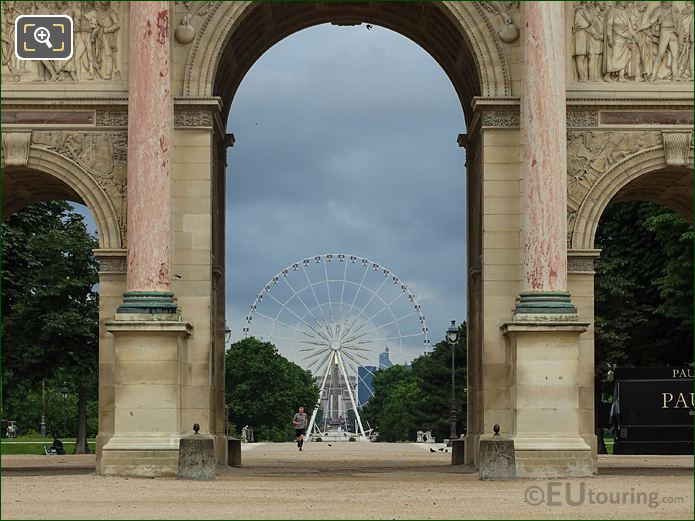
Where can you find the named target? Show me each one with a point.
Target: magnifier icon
(42, 35)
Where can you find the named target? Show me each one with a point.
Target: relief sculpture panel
(102, 155)
(590, 154)
(97, 42)
(632, 41)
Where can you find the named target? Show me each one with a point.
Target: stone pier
(543, 335)
(150, 339)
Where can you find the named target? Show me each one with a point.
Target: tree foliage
(418, 397)
(264, 389)
(643, 287)
(49, 306)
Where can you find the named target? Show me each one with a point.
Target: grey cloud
(346, 141)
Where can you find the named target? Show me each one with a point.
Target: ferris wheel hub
(335, 345)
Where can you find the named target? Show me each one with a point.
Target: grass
(34, 445)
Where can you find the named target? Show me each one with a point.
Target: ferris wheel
(341, 317)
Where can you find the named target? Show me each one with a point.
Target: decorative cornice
(581, 118)
(111, 260)
(193, 118)
(582, 261)
(112, 118)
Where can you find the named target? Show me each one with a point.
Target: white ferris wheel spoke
(296, 294)
(295, 314)
(325, 322)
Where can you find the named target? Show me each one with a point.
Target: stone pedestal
(545, 399)
(149, 356)
(197, 458)
(496, 459)
(458, 451)
(234, 452)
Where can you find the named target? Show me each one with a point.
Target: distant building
(365, 375)
(384, 360)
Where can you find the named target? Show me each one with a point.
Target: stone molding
(582, 261)
(112, 261)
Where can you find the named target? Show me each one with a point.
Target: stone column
(150, 118)
(544, 333)
(150, 341)
(544, 162)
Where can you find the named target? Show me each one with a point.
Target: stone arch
(458, 35)
(67, 180)
(638, 177)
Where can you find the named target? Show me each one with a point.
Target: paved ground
(352, 480)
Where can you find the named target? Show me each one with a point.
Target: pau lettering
(677, 401)
(683, 373)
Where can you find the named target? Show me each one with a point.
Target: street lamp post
(43, 408)
(65, 392)
(452, 336)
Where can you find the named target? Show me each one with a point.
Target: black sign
(654, 410)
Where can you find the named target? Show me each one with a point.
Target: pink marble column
(150, 116)
(543, 123)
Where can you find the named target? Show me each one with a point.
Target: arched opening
(441, 30)
(643, 327)
(80, 214)
(50, 296)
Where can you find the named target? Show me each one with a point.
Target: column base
(552, 457)
(147, 302)
(141, 456)
(537, 306)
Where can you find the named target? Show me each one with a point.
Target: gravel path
(358, 480)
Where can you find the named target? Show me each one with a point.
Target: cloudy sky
(346, 142)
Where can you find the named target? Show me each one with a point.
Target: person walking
(300, 422)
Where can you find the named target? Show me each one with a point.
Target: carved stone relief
(677, 146)
(112, 261)
(97, 42)
(193, 118)
(501, 117)
(103, 155)
(112, 118)
(591, 153)
(578, 263)
(509, 32)
(185, 31)
(582, 118)
(632, 41)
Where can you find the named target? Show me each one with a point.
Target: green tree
(643, 287)
(408, 399)
(394, 408)
(264, 389)
(433, 372)
(49, 306)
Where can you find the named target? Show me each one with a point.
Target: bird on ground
(432, 450)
